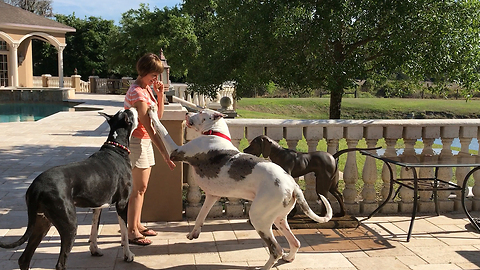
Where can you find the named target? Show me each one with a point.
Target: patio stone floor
(28, 148)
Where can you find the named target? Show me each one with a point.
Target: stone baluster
(466, 135)
(372, 134)
(350, 173)
(476, 186)
(476, 189)
(234, 206)
(425, 203)
(392, 134)
(410, 137)
(312, 134)
(448, 133)
(274, 132)
(194, 194)
(292, 136)
(333, 134)
(251, 132)
(429, 134)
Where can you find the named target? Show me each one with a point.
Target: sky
(106, 9)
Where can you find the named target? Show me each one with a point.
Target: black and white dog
(102, 179)
(223, 171)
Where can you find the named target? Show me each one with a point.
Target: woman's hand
(158, 87)
(170, 163)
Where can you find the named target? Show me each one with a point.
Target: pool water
(30, 111)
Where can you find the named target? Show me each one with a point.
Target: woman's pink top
(135, 94)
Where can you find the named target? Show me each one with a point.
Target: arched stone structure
(17, 28)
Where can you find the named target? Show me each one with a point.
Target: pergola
(17, 29)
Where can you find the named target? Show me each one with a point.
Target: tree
(143, 31)
(329, 44)
(39, 7)
(86, 49)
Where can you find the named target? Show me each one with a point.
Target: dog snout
(187, 121)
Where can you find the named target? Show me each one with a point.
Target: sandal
(148, 232)
(141, 241)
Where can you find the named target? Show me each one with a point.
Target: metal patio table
(417, 183)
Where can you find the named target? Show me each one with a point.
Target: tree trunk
(336, 103)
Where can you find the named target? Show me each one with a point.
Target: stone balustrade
(359, 199)
(202, 100)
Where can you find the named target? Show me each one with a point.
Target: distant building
(17, 29)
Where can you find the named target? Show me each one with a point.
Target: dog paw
(193, 235)
(129, 257)
(288, 257)
(95, 251)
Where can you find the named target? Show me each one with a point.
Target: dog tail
(339, 153)
(308, 211)
(32, 216)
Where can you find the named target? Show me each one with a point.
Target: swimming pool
(31, 111)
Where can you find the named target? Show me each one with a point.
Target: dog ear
(108, 117)
(266, 146)
(217, 115)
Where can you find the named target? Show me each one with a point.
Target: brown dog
(323, 164)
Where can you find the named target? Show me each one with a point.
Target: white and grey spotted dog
(221, 170)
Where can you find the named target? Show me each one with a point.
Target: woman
(140, 96)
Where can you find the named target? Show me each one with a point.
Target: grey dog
(323, 164)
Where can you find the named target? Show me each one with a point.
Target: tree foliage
(331, 43)
(143, 30)
(86, 49)
(39, 7)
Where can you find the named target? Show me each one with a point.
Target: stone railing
(202, 100)
(47, 80)
(359, 198)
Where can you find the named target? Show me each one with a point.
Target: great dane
(223, 171)
(323, 164)
(103, 178)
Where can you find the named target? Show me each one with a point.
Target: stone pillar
(93, 83)
(14, 65)
(60, 65)
(163, 199)
(76, 82)
(45, 79)
(126, 83)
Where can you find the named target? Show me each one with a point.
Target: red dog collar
(219, 134)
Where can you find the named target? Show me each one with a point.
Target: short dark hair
(149, 63)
